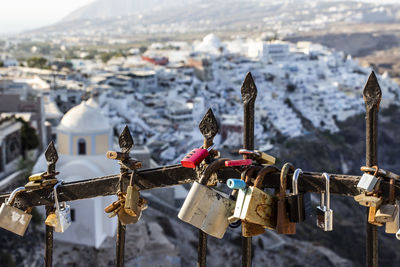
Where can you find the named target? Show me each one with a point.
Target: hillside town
(162, 94)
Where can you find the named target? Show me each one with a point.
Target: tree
(29, 138)
(37, 62)
(1, 64)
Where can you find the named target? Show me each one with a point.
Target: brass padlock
(132, 198)
(259, 208)
(126, 218)
(248, 229)
(13, 219)
(284, 226)
(392, 225)
(206, 208)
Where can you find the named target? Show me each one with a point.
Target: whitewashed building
(83, 137)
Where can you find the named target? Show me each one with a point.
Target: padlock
(13, 219)
(195, 157)
(392, 223)
(298, 203)
(132, 198)
(284, 226)
(371, 216)
(266, 209)
(386, 213)
(238, 162)
(36, 177)
(324, 212)
(394, 226)
(368, 181)
(255, 206)
(207, 208)
(259, 156)
(61, 218)
(236, 184)
(126, 218)
(368, 201)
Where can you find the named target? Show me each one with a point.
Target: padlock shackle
(249, 173)
(283, 178)
(13, 194)
(55, 194)
(213, 167)
(295, 178)
(327, 191)
(261, 175)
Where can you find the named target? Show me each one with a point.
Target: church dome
(85, 118)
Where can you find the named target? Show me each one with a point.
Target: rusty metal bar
(121, 230)
(208, 127)
(372, 97)
(48, 256)
(249, 94)
(202, 249)
(125, 143)
(345, 185)
(51, 156)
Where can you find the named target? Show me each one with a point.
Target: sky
(19, 15)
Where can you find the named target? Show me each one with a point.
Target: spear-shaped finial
(125, 140)
(208, 127)
(249, 94)
(372, 92)
(249, 89)
(51, 158)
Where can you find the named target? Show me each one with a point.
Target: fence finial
(125, 140)
(208, 126)
(249, 89)
(372, 92)
(51, 158)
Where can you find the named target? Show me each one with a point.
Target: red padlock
(195, 156)
(238, 162)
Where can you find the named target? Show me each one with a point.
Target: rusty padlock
(259, 208)
(284, 226)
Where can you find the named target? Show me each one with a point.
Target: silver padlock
(368, 181)
(207, 208)
(324, 212)
(13, 219)
(63, 213)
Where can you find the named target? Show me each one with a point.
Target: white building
(144, 81)
(83, 137)
(268, 51)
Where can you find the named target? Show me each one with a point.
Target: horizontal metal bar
(177, 175)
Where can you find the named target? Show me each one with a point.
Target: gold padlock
(132, 198)
(284, 226)
(265, 210)
(36, 177)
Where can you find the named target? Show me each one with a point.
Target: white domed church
(84, 135)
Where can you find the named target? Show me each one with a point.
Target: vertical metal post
(209, 128)
(372, 96)
(121, 230)
(126, 144)
(48, 257)
(51, 158)
(202, 249)
(249, 94)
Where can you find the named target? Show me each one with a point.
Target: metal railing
(171, 175)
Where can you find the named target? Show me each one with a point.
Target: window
(81, 147)
(72, 215)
